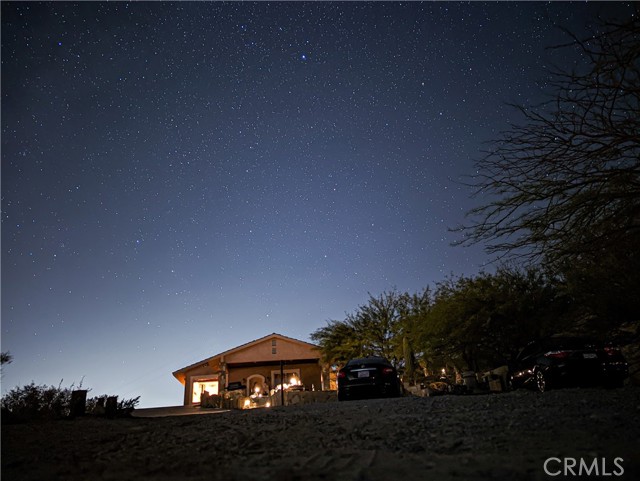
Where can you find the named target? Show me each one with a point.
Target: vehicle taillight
(387, 370)
(612, 351)
(342, 375)
(558, 354)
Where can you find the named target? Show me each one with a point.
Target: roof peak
(243, 346)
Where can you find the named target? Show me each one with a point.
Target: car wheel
(542, 383)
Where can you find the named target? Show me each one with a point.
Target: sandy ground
(498, 436)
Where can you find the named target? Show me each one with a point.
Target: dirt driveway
(499, 436)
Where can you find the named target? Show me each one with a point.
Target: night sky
(181, 178)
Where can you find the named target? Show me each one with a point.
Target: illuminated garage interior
(200, 386)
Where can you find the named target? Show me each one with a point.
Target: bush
(33, 402)
(36, 402)
(96, 405)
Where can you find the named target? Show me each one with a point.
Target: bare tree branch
(566, 182)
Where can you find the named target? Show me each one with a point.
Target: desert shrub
(36, 402)
(41, 402)
(127, 405)
(96, 405)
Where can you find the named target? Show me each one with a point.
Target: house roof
(240, 347)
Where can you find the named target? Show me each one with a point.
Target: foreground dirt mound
(501, 436)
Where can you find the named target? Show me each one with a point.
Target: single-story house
(256, 367)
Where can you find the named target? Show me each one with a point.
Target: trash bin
(78, 403)
(470, 380)
(111, 408)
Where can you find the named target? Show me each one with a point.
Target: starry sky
(181, 178)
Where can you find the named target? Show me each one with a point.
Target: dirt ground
(497, 436)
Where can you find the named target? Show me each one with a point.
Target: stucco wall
(263, 351)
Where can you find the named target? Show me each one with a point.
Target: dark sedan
(568, 361)
(368, 377)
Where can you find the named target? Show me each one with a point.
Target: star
(171, 143)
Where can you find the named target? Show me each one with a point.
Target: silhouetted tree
(565, 185)
(5, 358)
(482, 321)
(412, 309)
(378, 320)
(376, 328)
(339, 341)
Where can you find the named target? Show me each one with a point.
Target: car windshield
(369, 361)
